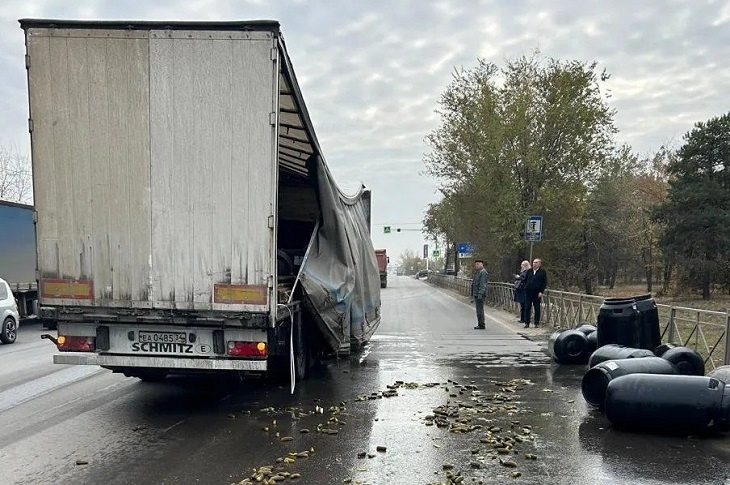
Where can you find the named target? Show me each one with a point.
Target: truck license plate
(163, 337)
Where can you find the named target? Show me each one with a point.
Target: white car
(9, 316)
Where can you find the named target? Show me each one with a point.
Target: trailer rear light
(76, 344)
(247, 349)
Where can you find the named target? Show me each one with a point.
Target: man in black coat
(535, 285)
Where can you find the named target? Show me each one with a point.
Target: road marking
(174, 425)
(39, 387)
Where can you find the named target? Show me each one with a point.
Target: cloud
(372, 72)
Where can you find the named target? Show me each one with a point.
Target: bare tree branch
(16, 183)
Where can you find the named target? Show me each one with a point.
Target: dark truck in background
(18, 255)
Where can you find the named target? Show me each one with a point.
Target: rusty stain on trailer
(240, 294)
(67, 289)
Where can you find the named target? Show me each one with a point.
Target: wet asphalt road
(190, 431)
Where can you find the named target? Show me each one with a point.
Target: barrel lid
(617, 300)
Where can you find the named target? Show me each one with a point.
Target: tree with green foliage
(608, 229)
(650, 191)
(696, 215)
(529, 138)
(623, 238)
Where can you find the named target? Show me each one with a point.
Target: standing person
(536, 283)
(479, 291)
(520, 293)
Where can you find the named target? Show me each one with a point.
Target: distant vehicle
(382, 256)
(9, 315)
(18, 254)
(423, 273)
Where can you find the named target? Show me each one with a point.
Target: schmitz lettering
(162, 347)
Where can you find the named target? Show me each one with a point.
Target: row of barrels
(664, 388)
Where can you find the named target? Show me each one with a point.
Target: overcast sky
(372, 71)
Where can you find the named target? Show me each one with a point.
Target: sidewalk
(510, 320)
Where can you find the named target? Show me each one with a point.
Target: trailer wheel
(279, 369)
(9, 331)
(301, 352)
(147, 375)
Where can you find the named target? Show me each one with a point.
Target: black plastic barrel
(587, 328)
(613, 351)
(686, 360)
(569, 347)
(618, 320)
(674, 404)
(592, 341)
(659, 350)
(596, 379)
(649, 334)
(721, 373)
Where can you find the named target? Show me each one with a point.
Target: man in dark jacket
(535, 285)
(479, 291)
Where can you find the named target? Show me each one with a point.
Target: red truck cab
(383, 260)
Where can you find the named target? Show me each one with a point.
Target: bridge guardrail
(706, 331)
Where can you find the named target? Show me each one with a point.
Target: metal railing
(707, 332)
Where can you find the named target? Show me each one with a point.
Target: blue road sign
(465, 250)
(533, 228)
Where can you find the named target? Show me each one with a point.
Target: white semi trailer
(186, 219)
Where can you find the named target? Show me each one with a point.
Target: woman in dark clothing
(520, 294)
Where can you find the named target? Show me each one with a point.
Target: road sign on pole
(436, 253)
(533, 229)
(465, 250)
(425, 251)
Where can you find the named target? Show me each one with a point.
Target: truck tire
(147, 375)
(8, 331)
(301, 363)
(301, 352)
(279, 366)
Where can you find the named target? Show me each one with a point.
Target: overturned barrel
(586, 328)
(614, 351)
(569, 347)
(692, 404)
(661, 349)
(592, 342)
(721, 373)
(596, 379)
(686, 360)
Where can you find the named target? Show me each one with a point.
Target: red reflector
(76, 344)
(247, 349)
